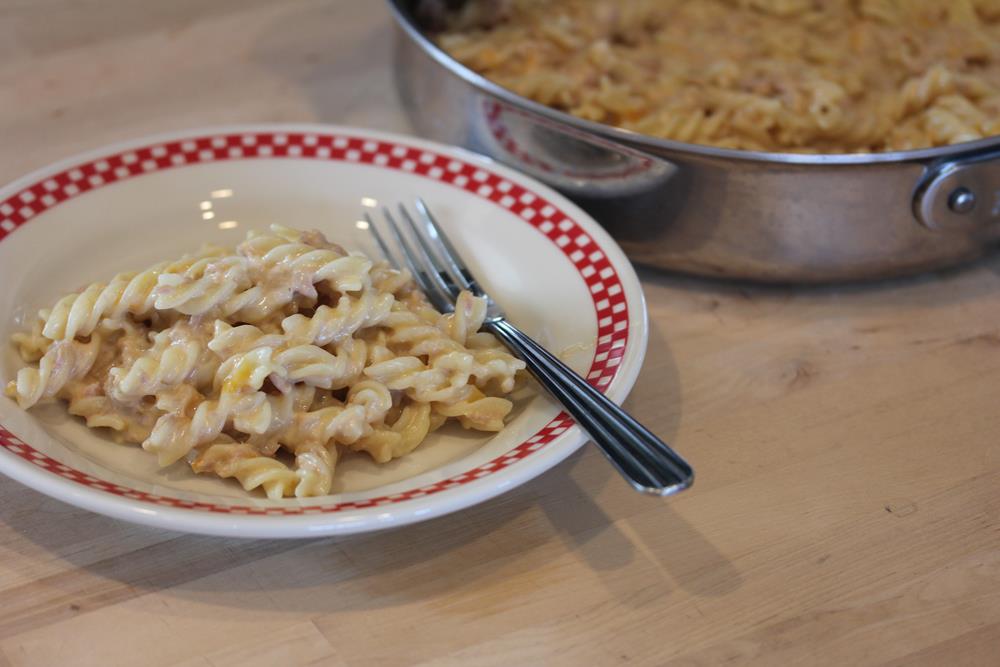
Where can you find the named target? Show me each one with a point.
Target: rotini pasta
(178, 354)
(265, 363)
(64, 361)
(780, 75)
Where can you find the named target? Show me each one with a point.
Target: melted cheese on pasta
(227, 357)
(778, 75)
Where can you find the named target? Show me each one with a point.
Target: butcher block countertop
(846, 440)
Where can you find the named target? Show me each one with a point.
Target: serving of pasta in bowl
(203, 338)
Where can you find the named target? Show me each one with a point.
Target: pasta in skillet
(826, 76)
(264, 362)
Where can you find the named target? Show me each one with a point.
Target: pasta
(825, 76)
(261, 363)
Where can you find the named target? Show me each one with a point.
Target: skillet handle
(961, 195)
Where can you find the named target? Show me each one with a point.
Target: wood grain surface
(847, 440)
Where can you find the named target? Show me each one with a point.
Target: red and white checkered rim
(594, 267)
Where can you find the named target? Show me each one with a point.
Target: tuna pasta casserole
(264, 362)
(827, 76)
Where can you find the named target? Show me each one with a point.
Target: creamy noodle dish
(826, 76)
(264, 362)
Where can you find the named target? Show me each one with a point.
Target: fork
(645, 461)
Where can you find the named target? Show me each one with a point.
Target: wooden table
(847, 440)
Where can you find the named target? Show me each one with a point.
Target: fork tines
(428, 254)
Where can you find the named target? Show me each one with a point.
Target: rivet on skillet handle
(961, 195)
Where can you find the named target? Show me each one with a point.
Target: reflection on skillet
(575, 162)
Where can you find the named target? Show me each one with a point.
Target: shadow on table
(501, 551)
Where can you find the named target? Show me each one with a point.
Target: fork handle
(645, 461)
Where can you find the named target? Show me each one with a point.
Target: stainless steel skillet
(778, 217)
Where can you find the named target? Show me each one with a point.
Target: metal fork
(645, 461)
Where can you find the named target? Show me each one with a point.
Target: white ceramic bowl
(558, 274)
